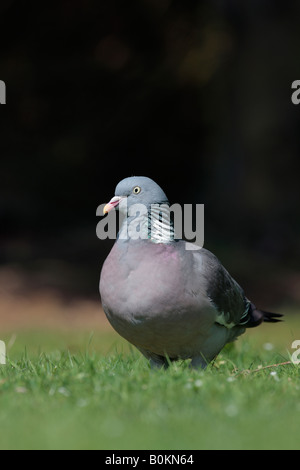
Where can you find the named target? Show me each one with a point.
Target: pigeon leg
(162, 363)
(199, 362)
(156, 361)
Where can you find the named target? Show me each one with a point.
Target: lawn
(83, 390)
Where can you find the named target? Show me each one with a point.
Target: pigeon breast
(152, 297)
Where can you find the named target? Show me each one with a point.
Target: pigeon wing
(224, 292)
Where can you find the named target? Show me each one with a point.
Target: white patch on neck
(154, 224)
(161, 226)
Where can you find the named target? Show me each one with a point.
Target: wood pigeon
(169, 300)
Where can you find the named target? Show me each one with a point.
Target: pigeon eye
(136, 190)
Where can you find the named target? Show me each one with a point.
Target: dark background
(196, 95)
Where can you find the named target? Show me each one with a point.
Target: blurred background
(194, 94)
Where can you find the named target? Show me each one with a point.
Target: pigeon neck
(160, 225)
(155, 225)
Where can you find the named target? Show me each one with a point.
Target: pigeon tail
(256, 317)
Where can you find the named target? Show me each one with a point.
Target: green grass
(81, 391)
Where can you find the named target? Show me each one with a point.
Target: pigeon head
(136, 190)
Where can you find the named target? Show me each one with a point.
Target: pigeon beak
(114, 202)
